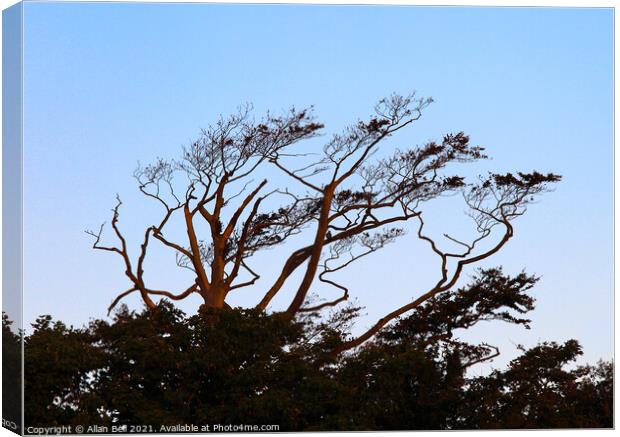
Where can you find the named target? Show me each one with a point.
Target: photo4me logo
(217, 428)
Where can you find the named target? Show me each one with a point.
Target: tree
(352, 206)
(537, 391)
(11, 373)
(59, 367)
(163, 368)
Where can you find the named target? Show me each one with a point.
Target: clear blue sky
(108, 84)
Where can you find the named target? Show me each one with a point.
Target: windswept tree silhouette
(350, 203)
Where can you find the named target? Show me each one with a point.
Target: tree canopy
(348, 203)
(163, 368)
(309, 366)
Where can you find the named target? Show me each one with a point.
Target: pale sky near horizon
(107, 85)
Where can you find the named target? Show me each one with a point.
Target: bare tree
(351, 203)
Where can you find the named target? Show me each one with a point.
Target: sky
(107, 85)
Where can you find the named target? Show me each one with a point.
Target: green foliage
(59, 367)
(165, 368)
(161, 367)
(11, 372)
(537, 391)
